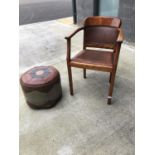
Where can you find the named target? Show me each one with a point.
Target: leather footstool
(41, 86)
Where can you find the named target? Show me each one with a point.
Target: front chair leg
(84, 73)
(70, 79)
(111, 87)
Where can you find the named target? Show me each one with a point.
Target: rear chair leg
(84, 73)
(110, 77)
(70, 80)
(111, 88)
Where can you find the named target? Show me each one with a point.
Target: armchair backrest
(101, 32)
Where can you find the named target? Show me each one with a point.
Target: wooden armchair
(99, 32)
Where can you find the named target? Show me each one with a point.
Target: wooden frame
(91, 59)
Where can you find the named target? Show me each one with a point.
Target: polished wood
(70, 79)
(99, 32)
(84, 73)
(120, 36)
(79, 29)
(102, 21)
(110, 77)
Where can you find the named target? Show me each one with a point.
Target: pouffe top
(39, 76)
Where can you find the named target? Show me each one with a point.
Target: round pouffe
(41, 86)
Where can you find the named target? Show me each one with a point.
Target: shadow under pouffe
(41, 86)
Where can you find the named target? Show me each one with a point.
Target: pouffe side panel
(38, 98)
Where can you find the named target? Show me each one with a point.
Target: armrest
(120, 36)
(77, 30)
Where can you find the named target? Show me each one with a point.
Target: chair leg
(110, 77)
(84, 73)
(70, 79)
(111, 87)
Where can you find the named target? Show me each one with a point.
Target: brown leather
(89, 58)
(102, 21)
(41, 86)
(39, 76)
(98, 36)
(48, 104)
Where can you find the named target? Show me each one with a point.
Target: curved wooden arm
(69, 42)
(77, 30)
(120, 36)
